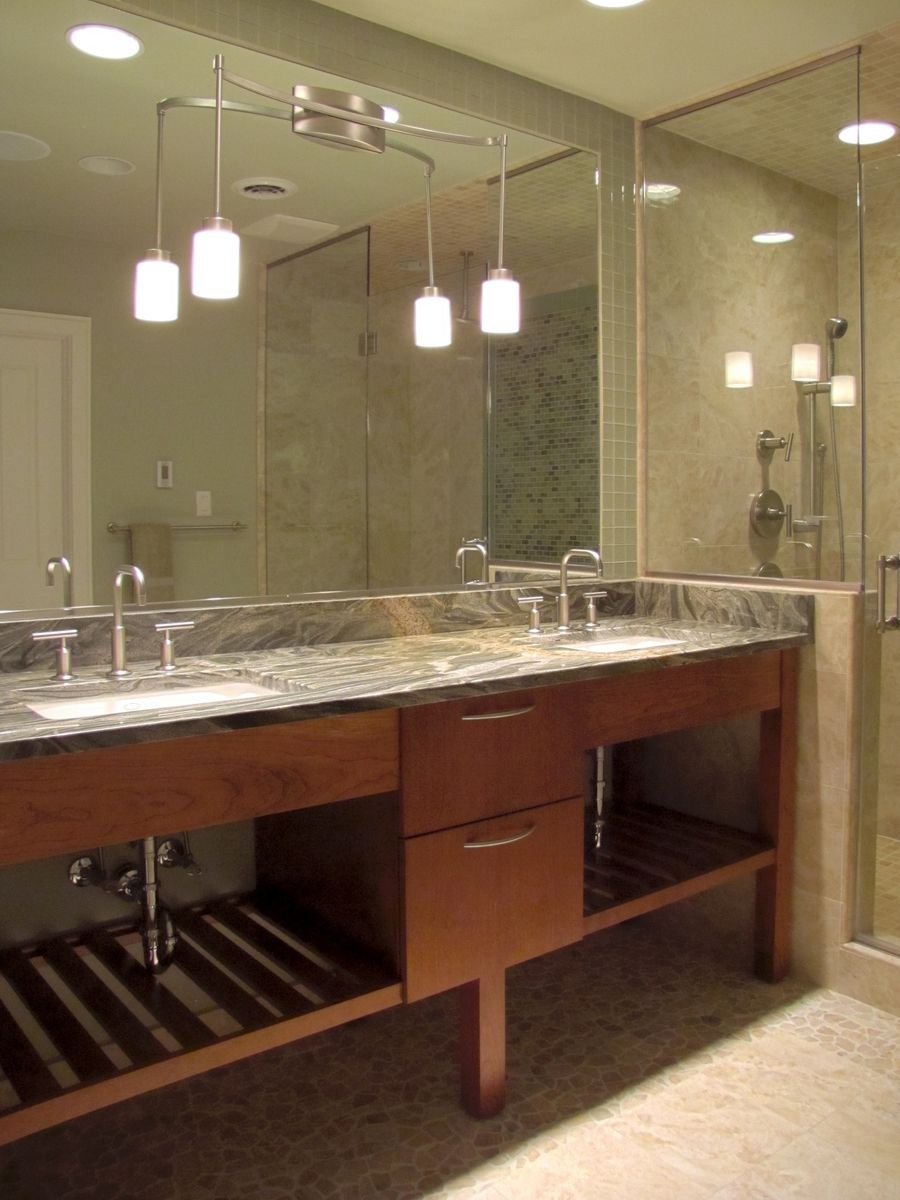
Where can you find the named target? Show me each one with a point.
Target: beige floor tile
(815, 1167)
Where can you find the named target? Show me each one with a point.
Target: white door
(44, 456)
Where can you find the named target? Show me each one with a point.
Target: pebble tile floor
(638, 1068)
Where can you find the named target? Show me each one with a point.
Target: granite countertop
(311, 681)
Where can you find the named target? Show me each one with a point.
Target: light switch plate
(204, 504)
(164, 472)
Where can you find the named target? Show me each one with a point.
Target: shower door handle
(884, 623)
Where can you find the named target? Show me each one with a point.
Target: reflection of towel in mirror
(151, 550)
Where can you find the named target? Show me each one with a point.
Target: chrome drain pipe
(158, 935)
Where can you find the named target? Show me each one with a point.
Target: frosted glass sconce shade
(843, 391)
(216, 261)
(432, 319)
(739, 369)
(156, 287)
(500, 302)
(806, 362)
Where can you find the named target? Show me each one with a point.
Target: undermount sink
(606, 644)
(130, 702)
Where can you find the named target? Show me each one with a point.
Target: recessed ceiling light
(614, 3)
(103, 164)
(21, 147)
(661, 193)
(773, 238)
(868, 133)
(392, 115)
(104, 41)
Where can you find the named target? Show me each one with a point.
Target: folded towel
(151, 550)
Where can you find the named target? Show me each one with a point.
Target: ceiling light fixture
(773, 237)
(104, 41)
(661, 193)
(21, 147)
(867, 133)
(391, 115)
(105, 164)
(156, 276)
(341, 121)
(614, 3)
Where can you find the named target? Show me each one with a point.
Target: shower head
(835, 327)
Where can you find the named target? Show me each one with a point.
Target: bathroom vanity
(411, 837)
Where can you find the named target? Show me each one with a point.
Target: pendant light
(216, 254)
(156, 276)
(500, 305)
(433, 326)
(738, 369)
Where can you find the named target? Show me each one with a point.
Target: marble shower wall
(711, 289)
(315, 419)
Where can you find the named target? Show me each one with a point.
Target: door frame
(74, 337)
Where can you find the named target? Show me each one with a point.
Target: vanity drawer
(68, 802)
(491, 894)
(487, 755)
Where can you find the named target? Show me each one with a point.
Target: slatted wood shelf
(247, 976)
(651, 856)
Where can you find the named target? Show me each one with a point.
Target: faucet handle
(534, 617)
(167, 645)
(590, 616)
(63, 650)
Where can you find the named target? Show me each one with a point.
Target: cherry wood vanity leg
(483, 1044)
(777, 770)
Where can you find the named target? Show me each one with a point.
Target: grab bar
(234, 527)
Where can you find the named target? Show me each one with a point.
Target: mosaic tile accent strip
(545, 450)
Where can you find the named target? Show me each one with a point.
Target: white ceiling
(644, 60)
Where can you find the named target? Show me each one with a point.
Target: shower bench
(400, 853)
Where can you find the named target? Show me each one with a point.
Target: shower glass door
(878, 900)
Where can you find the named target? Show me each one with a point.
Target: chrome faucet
(562, 601)
(66, 567)
(472, 545)
(118, 630)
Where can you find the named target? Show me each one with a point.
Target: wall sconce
(806, 362)
(739, 369)
(843, 391)
(346, 121)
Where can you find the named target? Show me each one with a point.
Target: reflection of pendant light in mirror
(500, 310)
(843, 391)
(216, 255)
(432, 310)
(156, 276)
(739, 369)
(806, 362)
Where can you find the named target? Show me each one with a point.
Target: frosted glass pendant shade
(739, 369)
(806, 362)
(432, 319)
(843, 391)
(216, 261)
(500, 302)
(156, 287)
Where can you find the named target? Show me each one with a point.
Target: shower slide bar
(232, 526)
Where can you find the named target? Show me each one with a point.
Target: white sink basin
(617, 645)
(129, 702)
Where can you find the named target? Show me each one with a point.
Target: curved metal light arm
(255, 110)
(327, 110)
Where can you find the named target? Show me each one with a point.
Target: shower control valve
(767, 443)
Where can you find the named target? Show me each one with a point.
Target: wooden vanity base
(471, 810)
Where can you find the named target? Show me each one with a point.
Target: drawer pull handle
(503, 841)
(498, 716)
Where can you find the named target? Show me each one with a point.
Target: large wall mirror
(753, 396)
(310, 446)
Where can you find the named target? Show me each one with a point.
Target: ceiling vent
(264, 188)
